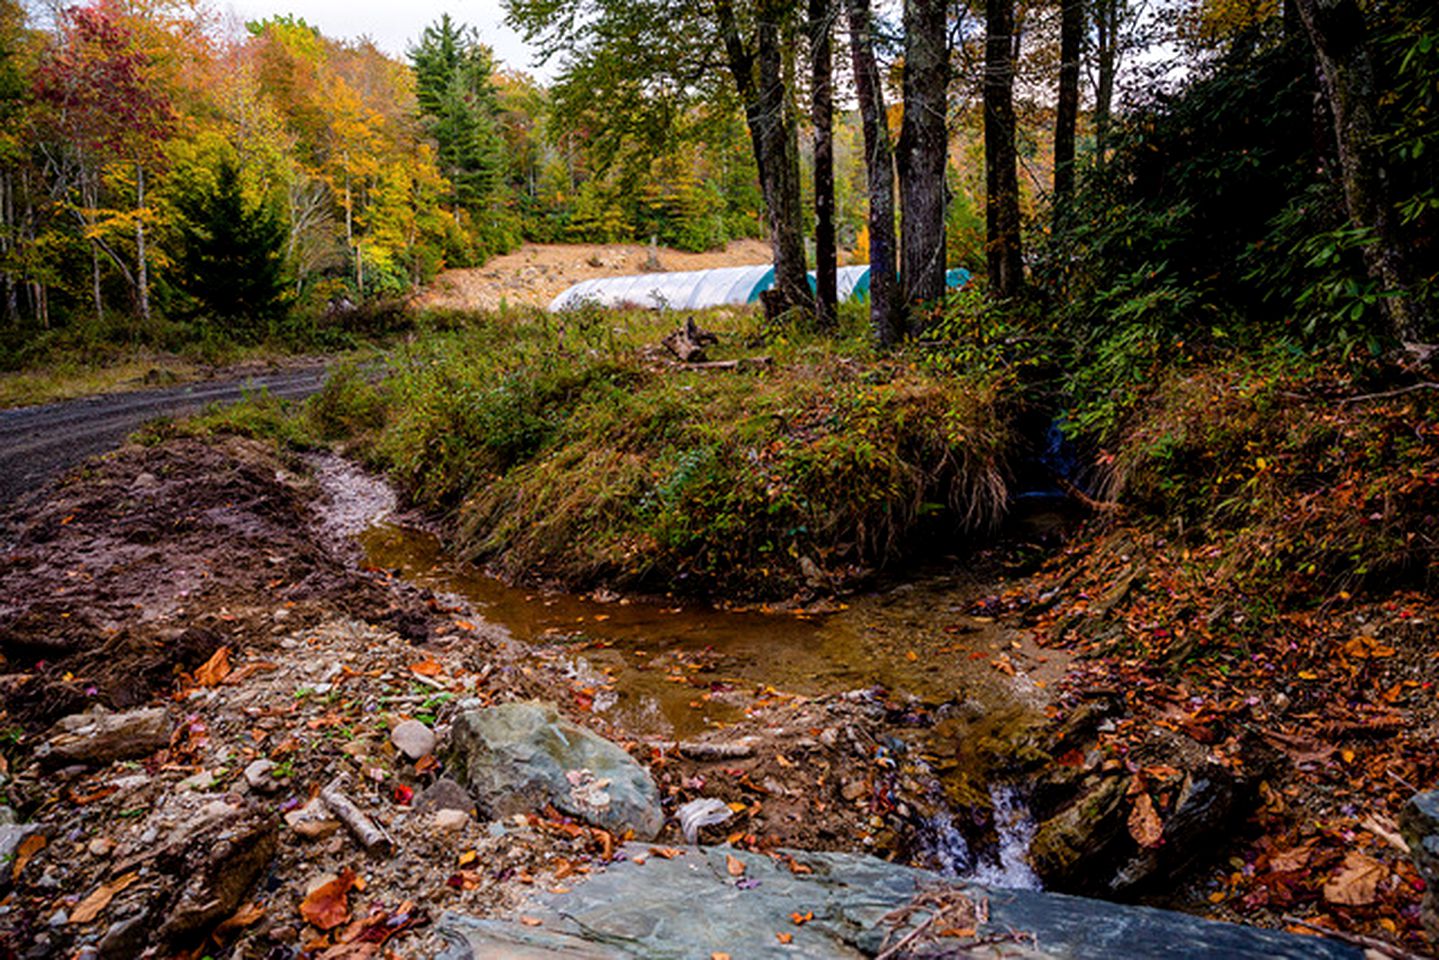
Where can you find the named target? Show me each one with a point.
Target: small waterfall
(1002, 866)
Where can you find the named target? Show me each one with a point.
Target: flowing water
(923, 639)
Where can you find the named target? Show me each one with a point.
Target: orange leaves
(30, 846)
(90, 908)
(428, 667)
(328, 905)
(1356, 883)
(1144, 824)
(212, 671)
(733, 865)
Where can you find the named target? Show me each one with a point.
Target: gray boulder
(694, 906)
(1419, 824)
(517, 757)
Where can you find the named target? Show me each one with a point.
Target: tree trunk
(924, 151)
(826, 257)
(1001, 174)
(780, 134)
(1340, 37)
(142, 265)
(1106, 41)
(884, 313)
(774, 136)
(1071, 44)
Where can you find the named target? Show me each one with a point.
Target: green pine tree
(232, 257)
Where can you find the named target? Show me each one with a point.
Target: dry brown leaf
(89, 908)
(30, 846)
(1144, 824)
(328, 905)
(734, 865)
(212, 671)
(1295, 858)
(531, 921)
(668, 853)
(1357, 881)
(245, 916)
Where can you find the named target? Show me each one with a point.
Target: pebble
(101, 846)
(450, 821)
(413, 739)
(258, 776)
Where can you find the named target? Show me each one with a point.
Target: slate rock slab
(692, 906)
(517, 757)
(106, 737)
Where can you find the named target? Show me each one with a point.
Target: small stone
(312, 821)
(413, 739)
(59, 918)
(450, 821)
(203, 780)
(260, 776)
(101, 846)
(444, 794)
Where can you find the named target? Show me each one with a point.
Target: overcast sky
(395, 25)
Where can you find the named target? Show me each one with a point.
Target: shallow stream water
(918, 640)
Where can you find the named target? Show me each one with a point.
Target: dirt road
(36, 443)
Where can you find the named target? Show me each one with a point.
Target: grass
(570, 448)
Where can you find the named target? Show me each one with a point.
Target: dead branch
(371, 835)
(754, 363)
(1387, 394)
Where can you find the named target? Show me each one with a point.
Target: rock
(259, 775)
(107, 737)
(517, 757)
(450, 821)
(1087, 848)
(413, 739)
(444, 794)
(694, 906)
(218, 864)
(126, 937)
(312, 821)
(1419, 824)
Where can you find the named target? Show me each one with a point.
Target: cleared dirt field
(536, 273)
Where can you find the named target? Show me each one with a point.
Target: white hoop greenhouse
(695, 289)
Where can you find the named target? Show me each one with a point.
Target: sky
(395, 25)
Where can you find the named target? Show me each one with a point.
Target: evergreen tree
(460, 106)
(232, 256)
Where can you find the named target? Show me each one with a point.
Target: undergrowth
(569, 447)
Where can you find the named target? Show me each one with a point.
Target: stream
(918, 641)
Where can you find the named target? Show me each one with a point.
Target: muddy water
(918, 639)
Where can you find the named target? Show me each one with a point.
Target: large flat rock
(693, 906)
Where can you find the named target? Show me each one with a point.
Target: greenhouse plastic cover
(695, 289)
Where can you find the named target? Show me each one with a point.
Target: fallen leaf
(427, 667)
(717, 955)
(212, 671)
(240, 919)
(800, 919)
(1144, 824)
(468, 857)
(90, 908)
(531, 921)
(784, 937)
(1357, 882)
(30, 846)
(734, 865)
(667, 853)
(1295, 858)
(328, 905)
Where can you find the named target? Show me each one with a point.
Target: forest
(1083, 609)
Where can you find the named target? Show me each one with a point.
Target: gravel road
(39, 442)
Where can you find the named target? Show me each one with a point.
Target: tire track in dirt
(40, 442)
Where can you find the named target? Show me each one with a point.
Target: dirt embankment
(536, 273)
